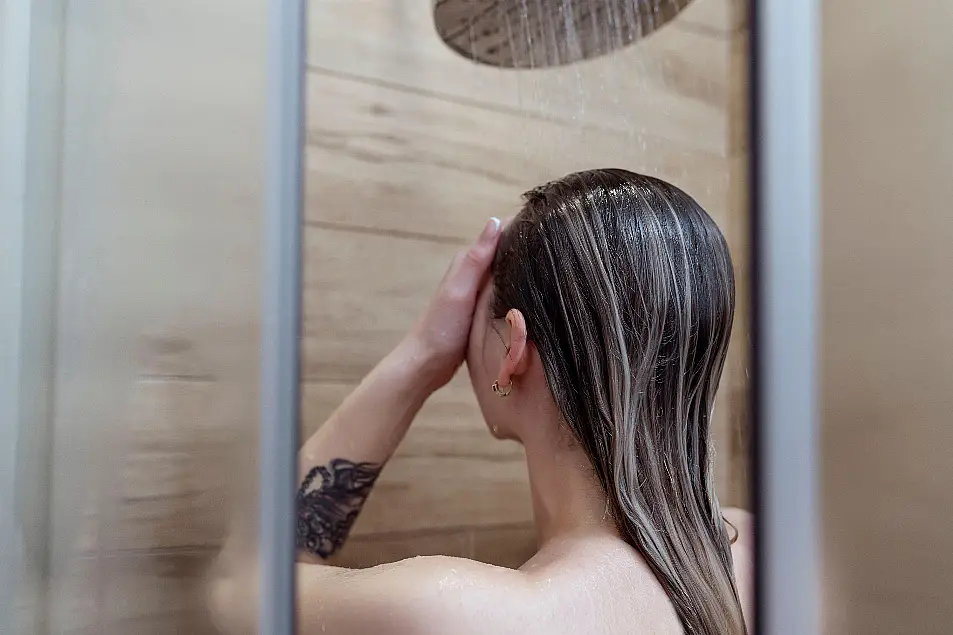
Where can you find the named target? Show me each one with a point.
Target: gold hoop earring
(502, 391)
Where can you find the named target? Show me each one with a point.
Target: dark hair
(627, 288)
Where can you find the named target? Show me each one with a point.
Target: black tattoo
(327, 510)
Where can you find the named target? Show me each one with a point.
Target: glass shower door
(152, 198)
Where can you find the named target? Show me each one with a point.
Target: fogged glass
(887, 308)
(411, 147)
(148, 440)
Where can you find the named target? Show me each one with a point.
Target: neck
(567, 498)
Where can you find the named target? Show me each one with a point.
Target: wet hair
(627, 288)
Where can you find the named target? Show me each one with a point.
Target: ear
(517, 359)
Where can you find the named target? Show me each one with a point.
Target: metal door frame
(784, 93)
(281, 313)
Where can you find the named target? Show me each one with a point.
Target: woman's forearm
(339, 464)
(372, 420)
(337, 467)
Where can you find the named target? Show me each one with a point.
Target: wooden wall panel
(503, 546)
(361, 552)
(362, 292)
(449, 424)
(369, 270)
(735, 440)
(387, 159)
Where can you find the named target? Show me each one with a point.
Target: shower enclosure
(141, 203)
(221, 215)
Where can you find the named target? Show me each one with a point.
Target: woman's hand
(439, 339)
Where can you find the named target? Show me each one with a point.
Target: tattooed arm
(339, 464)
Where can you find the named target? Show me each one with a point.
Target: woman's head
(613, 292)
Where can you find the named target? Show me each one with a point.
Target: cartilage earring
(502, 391)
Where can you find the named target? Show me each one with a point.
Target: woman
(594, 327)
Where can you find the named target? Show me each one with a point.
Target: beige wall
(409, 149)
(887, 314)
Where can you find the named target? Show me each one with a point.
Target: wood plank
(361, 552)
(738, 94)
(354, 315)
(178, 437)
(439, 492)
(182, 440)
(673, 84)
(389, 159)
(449, 425)
(448, 472)
(504, 546)
(733, 439)
(362, 292)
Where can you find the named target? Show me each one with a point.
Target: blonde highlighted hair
(627, 288)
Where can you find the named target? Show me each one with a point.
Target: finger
(468, 268)
(476, 260)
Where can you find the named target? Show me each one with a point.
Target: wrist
(417, 365)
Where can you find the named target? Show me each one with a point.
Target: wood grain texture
(362, 292)
(673, 84)
(739, 100)
(449, 425)
(734, 444)
(361, 552)
(505, 546)
(387, 159)
(449, 472)
(508, 545)
(421, 492)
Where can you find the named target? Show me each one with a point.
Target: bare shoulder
(417, 596)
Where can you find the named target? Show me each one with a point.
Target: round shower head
(540, 33)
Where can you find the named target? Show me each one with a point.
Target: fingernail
(492, 226)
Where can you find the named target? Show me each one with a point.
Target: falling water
(618, 86)
(569, 78)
